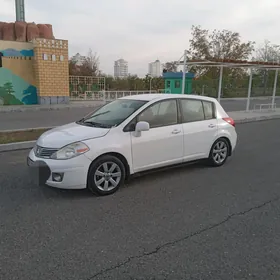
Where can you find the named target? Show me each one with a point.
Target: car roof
(162, 96)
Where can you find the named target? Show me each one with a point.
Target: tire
(219, 153)
(106, 175)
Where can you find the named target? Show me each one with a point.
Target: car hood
(63, 135)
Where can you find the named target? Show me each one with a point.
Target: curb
(257, 119)
(17, 146)
(245, 98)
(30, 144)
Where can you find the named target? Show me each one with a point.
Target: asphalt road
(192, 222)
(21, 120)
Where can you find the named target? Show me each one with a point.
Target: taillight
(230, 121)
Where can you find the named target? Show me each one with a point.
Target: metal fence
(104, 96)
(87, 88)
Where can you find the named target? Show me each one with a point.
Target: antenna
(20, 10)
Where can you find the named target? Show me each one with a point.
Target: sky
(141, 31)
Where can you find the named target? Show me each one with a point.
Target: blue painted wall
(15, 90)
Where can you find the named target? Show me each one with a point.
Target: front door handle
(211, 125)
(176, 131)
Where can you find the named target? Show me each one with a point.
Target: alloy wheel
(220, 152)
(107, 176)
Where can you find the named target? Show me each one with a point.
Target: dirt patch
(20, 136)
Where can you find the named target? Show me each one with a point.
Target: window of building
(53, 57)
(45, 56)
(177, 84)
(61, 58)
(163, 113)
(168, 84)
(192, 110)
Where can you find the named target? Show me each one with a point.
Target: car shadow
(165, 172)
(133, 181)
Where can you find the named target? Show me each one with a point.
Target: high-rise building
(78, 59)
(155, 68)
(121, 68)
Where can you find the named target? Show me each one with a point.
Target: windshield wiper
(87, 118)
(95, 124)
(99, 114)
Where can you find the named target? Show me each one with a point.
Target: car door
(163, 144)
(200, 127)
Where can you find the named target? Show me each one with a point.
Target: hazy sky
(141, 31)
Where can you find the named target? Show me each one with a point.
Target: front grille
(42, 152)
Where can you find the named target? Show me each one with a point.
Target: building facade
(120, 68)
(155, 69)
(78, 59)
(35, 72)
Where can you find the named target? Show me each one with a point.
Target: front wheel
(106, 175)
(219, 152)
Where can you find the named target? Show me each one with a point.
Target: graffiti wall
(17, 77)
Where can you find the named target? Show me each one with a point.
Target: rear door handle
(211, 125)
(176, 131)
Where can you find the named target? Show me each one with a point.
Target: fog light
(57, 177)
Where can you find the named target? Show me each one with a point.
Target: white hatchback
(130, 135)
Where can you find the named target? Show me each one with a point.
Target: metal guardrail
(260, 107)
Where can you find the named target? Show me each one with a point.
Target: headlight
(71, 151)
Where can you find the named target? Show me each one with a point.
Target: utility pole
(20, 10)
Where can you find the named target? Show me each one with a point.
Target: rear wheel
(106, 175)
(219, 152)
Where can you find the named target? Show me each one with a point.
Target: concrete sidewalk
(253, 116)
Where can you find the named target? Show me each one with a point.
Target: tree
(156, 83)
(91, 64)
(222, 44)
(170, 66)
(88, 67)
(218, 45)
(8, 87)
(267, 52)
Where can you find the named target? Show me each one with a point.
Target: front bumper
(74, 171)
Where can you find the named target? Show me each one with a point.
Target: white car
(130, 135)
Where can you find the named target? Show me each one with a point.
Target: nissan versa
(130, 135)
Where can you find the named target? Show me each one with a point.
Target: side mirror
(141, 126)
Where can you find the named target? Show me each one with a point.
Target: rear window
(209, 110)
(197, 110)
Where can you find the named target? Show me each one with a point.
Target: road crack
(196, 233)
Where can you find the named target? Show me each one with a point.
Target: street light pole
(184, 72)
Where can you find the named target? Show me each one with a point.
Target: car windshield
(113, 113)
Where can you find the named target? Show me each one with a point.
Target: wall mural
(17, 80)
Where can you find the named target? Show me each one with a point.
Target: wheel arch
(121, 157)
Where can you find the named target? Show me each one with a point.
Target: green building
(173, 82)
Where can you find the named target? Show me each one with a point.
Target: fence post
(249, 90)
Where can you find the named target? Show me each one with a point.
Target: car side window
(192, 110)
(209, 110)
(163, 113)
